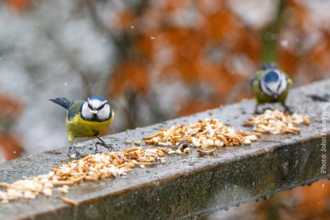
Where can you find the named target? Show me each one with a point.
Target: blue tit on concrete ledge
(87, 118)
(270, 85)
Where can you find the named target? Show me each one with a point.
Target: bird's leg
(110, 148)
(258, 110)
(73, 147)
(288, 109)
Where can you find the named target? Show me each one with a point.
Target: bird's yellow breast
(78, 127)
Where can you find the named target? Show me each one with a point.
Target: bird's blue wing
(74, 109)
(63, 102)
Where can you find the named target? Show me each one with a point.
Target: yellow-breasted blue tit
(86, 119)
(270, 85)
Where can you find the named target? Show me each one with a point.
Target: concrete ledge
(191, 185)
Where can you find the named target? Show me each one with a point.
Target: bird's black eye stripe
(279, 86)
(268, 89)
(90, 106)
(99, 108)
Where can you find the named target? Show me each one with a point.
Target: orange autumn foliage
(10, 142)
(9, 108)
(124, 21)
(308, 202)
(222, 25)
(11, 146)
(315, 200)
(198, 106)
(19, 5)
(320, 54)
(304, 203)
(288, 61)
(129, 76)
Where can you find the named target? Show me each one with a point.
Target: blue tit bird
(87, 118)
(270, 85)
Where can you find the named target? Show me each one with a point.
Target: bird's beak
(275, 96)
(94, 112)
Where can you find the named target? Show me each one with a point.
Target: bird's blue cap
(271, 76)
(96, 97)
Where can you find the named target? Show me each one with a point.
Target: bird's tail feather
(62, 102)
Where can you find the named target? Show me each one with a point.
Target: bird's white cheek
(264, 90)
(85, 111)
(104, 113)
(284, 85)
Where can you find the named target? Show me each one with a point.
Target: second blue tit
(270, 85)
(87, 118)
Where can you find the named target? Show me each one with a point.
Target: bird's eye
(99, 108)
(89, 106)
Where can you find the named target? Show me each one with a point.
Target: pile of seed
(204, 133)
(276, 122)
(93, 167)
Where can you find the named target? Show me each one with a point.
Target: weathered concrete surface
(191, 185)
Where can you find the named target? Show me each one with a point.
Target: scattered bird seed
(64, 189)
(276, 122)
(70, 201)
(178, 151)
(137, 142)
(205, 133)
(206, 152)
(186, 150)
(90, 168)
(247, 142)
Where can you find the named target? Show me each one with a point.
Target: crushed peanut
(70, 201)
(186, 150)
(206, 152)
(276, 122)
(247, 141)
(137, 142)
(64, 189)
(178, 151)
(205, 133)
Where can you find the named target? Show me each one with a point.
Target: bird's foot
(288, 109)
(101, 142)
(258, 110)
(74, 150)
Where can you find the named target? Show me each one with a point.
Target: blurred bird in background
(86, 119)
(270, 85)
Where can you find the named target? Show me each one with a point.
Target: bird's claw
(288, 109)
(74, 151)
(108, 146)
(258, 110)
